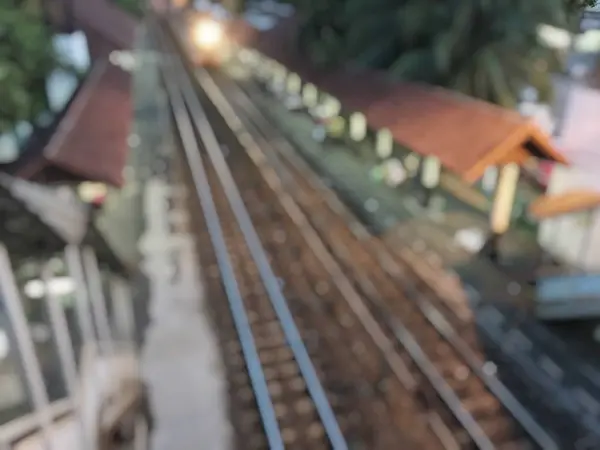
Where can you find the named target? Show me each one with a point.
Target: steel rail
(258, 253)
(268, 277)
(191, 149)
(432, 313)
(402, 334)
(523, 417)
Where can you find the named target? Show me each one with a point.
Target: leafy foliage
(578, 5)
(133, 7)
(234, 6)
(484, 48)
(26, 59)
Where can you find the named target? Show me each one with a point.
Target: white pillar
(31, 365)
(504, 198)
(294, 84)
(336, 124)
(358, 127)
(278, 81)
(82, 305)
(430, 176)
(384, 143)
(310, 95)
(98, 300)
(331, 106)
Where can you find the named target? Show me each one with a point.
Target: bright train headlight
(207, 33)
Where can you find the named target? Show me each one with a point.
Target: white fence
(94, 353)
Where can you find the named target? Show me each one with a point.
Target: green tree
(234, 6)
(26, 59)
(483, 48)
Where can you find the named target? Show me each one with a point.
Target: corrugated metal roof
(112, 22)
(466, 134)
(91, 140)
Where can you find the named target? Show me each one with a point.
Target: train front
(210, 45)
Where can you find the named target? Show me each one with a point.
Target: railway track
(481, 410)
(307, 368)
(566, 409)
(328, 269)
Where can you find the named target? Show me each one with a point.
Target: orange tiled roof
(466, 134)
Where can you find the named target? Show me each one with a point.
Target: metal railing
(92, 352)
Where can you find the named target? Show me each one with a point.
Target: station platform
(180, 361)
(175, 355)
(395, 215)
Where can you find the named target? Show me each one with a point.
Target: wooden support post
(502, 208)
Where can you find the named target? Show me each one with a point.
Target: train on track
(207, 38)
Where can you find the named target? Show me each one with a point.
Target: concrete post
(98, 300)
(358, 127)
(310, 95)
(293, 84)
(430, 177)
(384, 143)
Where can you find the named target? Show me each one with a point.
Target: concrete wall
(580, 140)
(573, 238)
